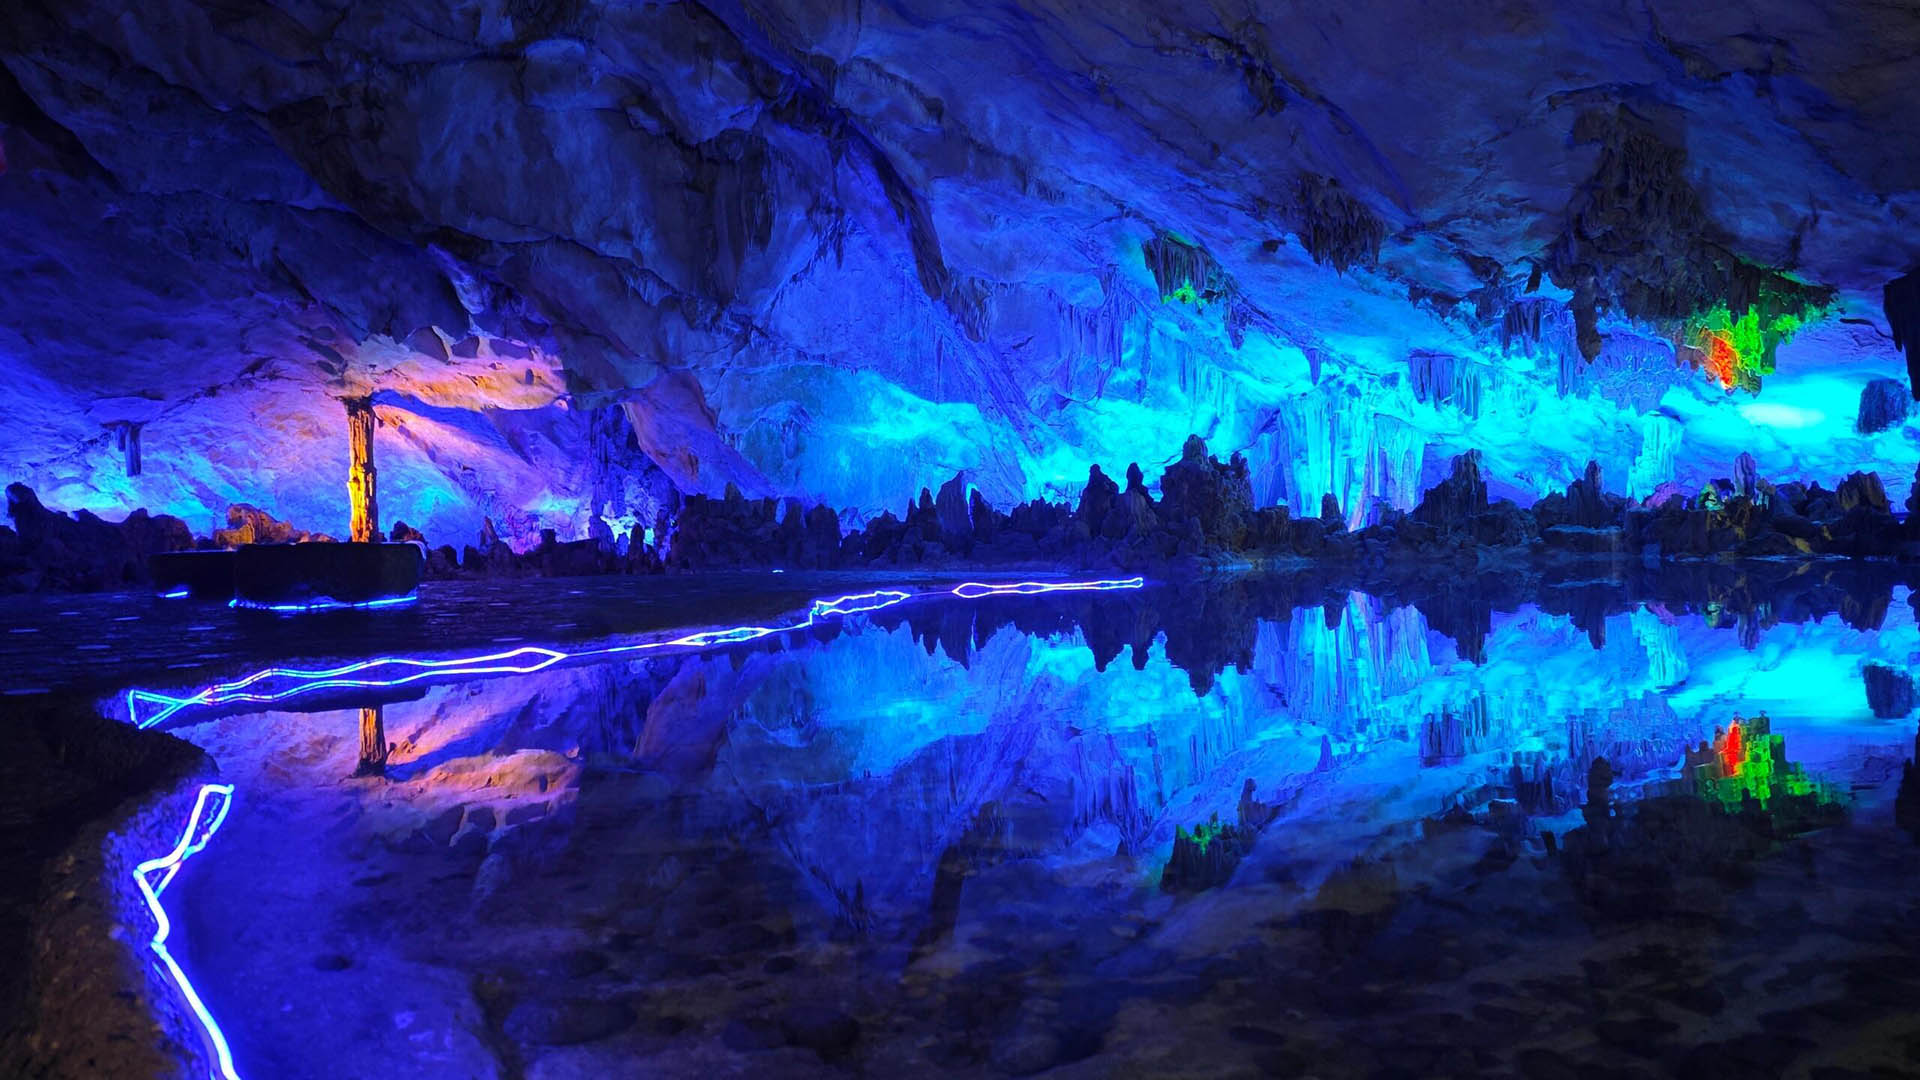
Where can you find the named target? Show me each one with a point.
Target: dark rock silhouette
(1883, 403)
(1889, 691)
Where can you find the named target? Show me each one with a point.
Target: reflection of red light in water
(1721, 359)
(1731, 752)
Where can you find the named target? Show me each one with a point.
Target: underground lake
(1272, 824)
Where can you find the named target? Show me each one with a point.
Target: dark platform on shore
(292, 576)
(202, 575)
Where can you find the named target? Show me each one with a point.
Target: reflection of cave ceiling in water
(1039, 726)
(845, 252)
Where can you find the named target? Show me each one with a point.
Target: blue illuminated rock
(1883, 404)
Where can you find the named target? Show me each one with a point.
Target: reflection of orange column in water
(373, 742)
(1732, 753)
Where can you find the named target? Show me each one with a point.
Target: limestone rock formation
(1883, 403)
(80, 552)
(1457, 499)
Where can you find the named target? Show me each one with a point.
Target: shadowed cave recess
(1466, 417)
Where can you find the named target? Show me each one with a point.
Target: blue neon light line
(175, 594)
(192, 840)
(498, 663)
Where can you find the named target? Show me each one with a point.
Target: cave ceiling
(845, 250)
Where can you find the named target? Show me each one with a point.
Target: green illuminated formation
(1185, 272)
(1206, 856)
(1748, 761)
(1737, 351)
(1202, 835)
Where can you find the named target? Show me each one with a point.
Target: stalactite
(1095, 340)
(127, 441)
(1402, 457)
(1525, 320)
(362, 489)
(1185, 271)
(1187, 274)
(1444, 379)
(1334, 441)
(1901, 299)
(1654, 464)
(1335, 227)
(1638, 241)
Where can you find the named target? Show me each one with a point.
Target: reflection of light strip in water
(192, 839)
(170, 863)
(334, 678)
(974, 589)
(326, 603)
(496, 663)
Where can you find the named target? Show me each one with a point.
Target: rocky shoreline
(89, 798)
(1203, 518)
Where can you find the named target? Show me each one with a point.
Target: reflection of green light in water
(1755, 766)
(1202, 834)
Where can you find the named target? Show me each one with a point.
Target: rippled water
(932, 840)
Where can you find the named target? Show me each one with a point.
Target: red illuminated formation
(1722, 359)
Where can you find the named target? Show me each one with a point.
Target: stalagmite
(373, 743)
(362, 497)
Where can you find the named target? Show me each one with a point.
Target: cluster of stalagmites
(1203, 515)
(1205, 508)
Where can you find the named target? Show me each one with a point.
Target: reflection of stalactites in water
(1636, 736)
(1531, 779)
(1342, 673)
(1906, 804)
(1455, 732)
(982, 846)
(1666, 661)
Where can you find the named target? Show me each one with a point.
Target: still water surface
(931, 840)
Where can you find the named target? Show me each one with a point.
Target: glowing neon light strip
(498, 663)
(175, 594)
(192, 840)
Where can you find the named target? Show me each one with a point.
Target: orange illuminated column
(364, 523)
